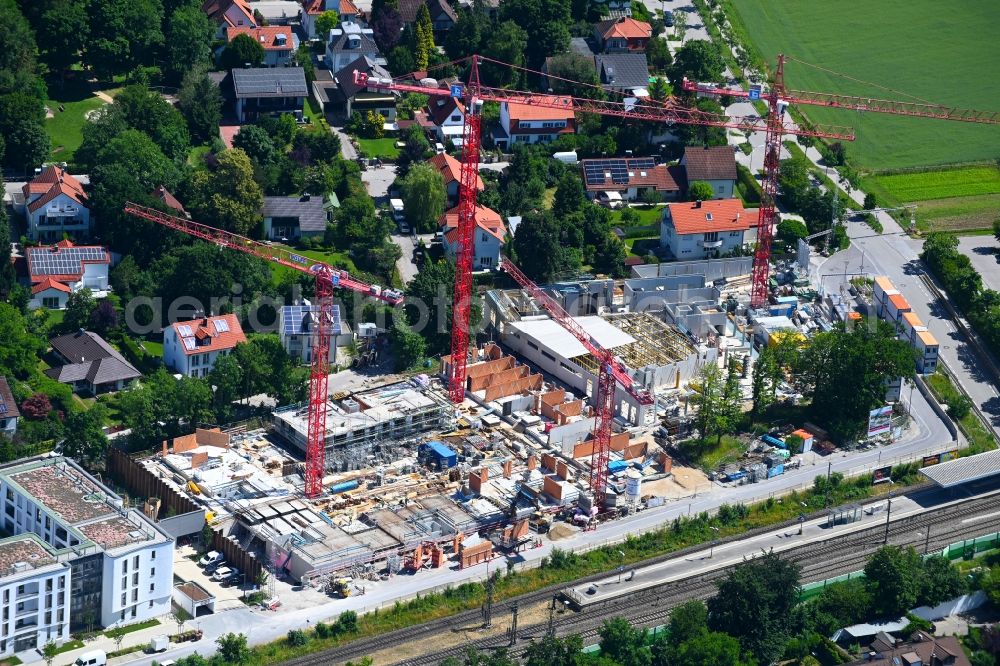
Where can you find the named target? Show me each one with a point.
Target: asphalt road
(984, 251)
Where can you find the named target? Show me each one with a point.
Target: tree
(843, 372)
(85, 440)
(65, 25)
(21, 118)
(698, 60)
(49, 652)
(623, 643)
(189, 41)
(326, 22)
(732, 398)
(228, 197)
(424, 31)
(791, 230)
(256, 143)
(658, 54)
(387, 28)
(8, 277)
(570, 196)
(147, 111)
(870, 202)
(322, 146)
(754, 604)
(700, 190)
(233, 648)
(507, 42)
(431, 291)
(702, 135)
(939, 581)
(711, 419)
(17, 42)
(764, 381)
(117, 634)
(546, 24)
(36, 406)
(573, 74)
(408, 347)
(424, 197)
(688, 621)
(707, 647)
(123, 34)
(200, 102)
(609, 256)
(18, 353)
(226, 378)
(79, 307)
(536, 245)
(659, 89)
(892, 576)
(242, 51)
(466, 36)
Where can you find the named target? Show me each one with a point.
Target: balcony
(711, 245)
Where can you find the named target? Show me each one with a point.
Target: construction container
(440, 455)
(777, 470)
(773, 441)
(616, 466)
(343, 487)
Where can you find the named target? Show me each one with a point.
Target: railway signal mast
(327, 279)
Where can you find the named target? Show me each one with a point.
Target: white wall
(147, 594)
(487, 250)
(65, 215)
(194, 365)
(44, 593)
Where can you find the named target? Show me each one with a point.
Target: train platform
(964, 470)
(839, 522)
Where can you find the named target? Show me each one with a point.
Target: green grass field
(381, 148)
(924, 186)
(65, 128)
(941, 53)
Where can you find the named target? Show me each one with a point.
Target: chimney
(697, 204)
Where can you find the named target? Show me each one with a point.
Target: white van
(92, 658)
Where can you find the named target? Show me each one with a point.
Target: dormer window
(708, 216)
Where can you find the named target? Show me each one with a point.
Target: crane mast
(327, 278)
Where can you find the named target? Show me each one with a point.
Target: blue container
(444, 455)
(343, 487)
(736, 476)
(616, 466)
(775, 471)
(773, 441)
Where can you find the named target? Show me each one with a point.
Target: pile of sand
(561, 531)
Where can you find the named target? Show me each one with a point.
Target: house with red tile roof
(530, 122)
(630, 178)
(279, 41)
(622, 34)
(164, 195)
(57, 271)
(488, 237)
(192, 347)
(311, 9)
(55, 204)
(704, 229)
(229, 13)
(451, 172)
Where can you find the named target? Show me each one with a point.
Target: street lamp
(621, 567)
(802, 519)
(711, 550)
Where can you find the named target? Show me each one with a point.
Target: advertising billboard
(879, 420)
(881, 475)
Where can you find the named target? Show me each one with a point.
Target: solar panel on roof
(67, 261)
(188, 343)
(185, 331)
(221, 326)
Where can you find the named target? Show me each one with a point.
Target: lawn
(130, 628)
(980, 439)
(336, 259)
(917, 47)
(384, 149)
(712, 455)
(65, 128)
(924, 186)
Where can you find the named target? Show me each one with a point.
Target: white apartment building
(78, 557)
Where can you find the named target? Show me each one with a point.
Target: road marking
(985, 516)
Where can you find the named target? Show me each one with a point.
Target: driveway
(378, 180)
(347, 150)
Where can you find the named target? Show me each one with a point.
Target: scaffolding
(656, 343)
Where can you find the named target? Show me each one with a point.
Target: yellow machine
(341, 587)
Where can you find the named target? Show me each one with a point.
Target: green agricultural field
(938, 52)
(924, 186)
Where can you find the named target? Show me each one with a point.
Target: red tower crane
(474, 94)
(327, 279)
(611, 370)
(778, 98)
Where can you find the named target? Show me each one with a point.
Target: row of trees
(964, 286)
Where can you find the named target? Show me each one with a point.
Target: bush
(297, 638)
(959, 407)
(873, 222)
(323, 630)
(747, 185)
(562, 559)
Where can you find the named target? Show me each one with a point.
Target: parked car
(668, 18)
(211, 557)
(221, 574)
(233, 578)
(92, 658)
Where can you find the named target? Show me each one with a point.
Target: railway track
(648, 607)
